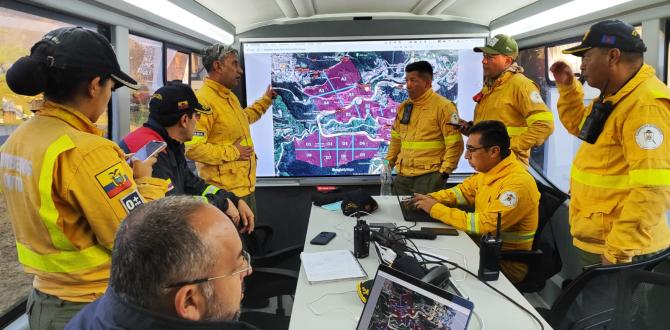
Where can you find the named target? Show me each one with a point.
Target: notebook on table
(331, 266)
(400, 301)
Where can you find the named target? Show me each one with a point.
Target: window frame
(548, 45)
(180, 49)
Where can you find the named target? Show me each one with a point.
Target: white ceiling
(250, 14)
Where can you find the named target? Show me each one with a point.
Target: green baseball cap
(500, 44)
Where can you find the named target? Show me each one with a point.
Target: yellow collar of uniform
(645, 72)
(69, 115)
(223, 90)
(501, 169)
(505, 76)
(424, 97)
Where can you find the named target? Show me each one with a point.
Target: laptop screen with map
(400, 301)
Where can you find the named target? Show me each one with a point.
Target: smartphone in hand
(148, 150)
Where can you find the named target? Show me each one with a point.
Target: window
(177, 65)
(146, 66)
(198, 72)
(555, 54)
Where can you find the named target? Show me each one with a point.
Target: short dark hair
(422, 67)
(155, 247)
(493, 133)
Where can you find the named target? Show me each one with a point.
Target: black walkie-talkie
(489, 255)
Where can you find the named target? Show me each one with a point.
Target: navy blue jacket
(111, 312)
(172, 165)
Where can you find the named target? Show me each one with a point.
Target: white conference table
(335, 305)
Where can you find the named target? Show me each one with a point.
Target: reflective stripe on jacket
(620, 186)
(427, 143)
(507, 189)
(515, 100)
(67, 190)
(216, 133)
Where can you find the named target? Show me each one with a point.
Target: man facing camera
(502, 186)
(177, 263)
(424, 147)
(173, 113)
(510, 97)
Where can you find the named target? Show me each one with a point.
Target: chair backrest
(643, 302)
(589, 301)
(550, 200)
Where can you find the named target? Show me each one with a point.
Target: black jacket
(172, 165)
(112, 312)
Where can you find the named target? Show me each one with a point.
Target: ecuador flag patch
(113, 180)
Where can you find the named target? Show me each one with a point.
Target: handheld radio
(361, 239)
(489, 255)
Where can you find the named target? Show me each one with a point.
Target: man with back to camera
(510, 97)
(178, 263)
(424, 148)
(173, 112)
(620, 177)
(222, 142)
(503, 185)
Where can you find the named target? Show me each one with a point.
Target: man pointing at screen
(222, 142)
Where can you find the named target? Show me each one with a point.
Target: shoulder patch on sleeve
(131, 201)
(113, 180)
(454, 118)
(649, 137)
(509, 199)
(535, 97)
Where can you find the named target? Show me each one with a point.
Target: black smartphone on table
(441, 231)
(322, 238)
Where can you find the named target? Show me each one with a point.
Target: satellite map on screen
(334, 112)
(401, 308)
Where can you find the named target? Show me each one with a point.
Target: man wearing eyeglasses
(502, 186)
(222, 144)
(177, 263)
(510, 97)
(424, 147)
(173, 112)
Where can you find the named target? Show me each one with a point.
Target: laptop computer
(400, 301)
(414, 215)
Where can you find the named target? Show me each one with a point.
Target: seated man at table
(177, 263)
(503, 185)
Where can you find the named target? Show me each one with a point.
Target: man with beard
(178, 263)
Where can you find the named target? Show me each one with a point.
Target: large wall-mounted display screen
(337, 99)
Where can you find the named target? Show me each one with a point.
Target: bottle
(386, 179)
(361, 239)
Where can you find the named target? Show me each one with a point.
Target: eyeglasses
(246, 268)
(472, 149)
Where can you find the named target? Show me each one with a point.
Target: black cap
(79, 48)
(358, 200)
(610, 34)
(174, 100)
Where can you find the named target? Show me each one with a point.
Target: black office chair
(590, 301)
(643, 302)
(267, 283)
(543, 260)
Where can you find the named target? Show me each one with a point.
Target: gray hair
(155, 247)
(214, 53)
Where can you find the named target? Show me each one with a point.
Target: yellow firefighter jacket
(216, 133)
(515, 100)
(507, 189)
(67, 191)
(427, 143)
(620, 186)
